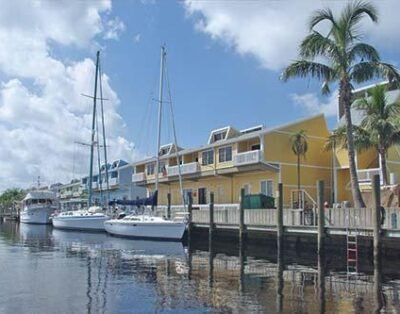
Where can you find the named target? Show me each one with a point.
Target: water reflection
(96, 273)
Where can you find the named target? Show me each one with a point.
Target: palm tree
(299, 148)
(348, 61)
(381, 123)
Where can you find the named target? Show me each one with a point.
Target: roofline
(231, 140)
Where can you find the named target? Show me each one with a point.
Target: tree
(341, 57)
(10, 196)
(299, 148)
(381, 123)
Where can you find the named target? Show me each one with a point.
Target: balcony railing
(138, 177)
(366, 175)
(189, 168)
(113, 181)
(247, 158)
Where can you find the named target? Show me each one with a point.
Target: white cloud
(113, 28)
(311, 104)
(137, 38)
(42, 112)
(271, 31)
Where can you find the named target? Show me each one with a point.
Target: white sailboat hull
(80, 222)
(38, 215)
(160, 230)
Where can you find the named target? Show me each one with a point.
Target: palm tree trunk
(382, 153)
(345, 103)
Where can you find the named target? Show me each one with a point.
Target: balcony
(366, 175)
(247, 158)
(189, 168)
(138, 177)
(113, 181)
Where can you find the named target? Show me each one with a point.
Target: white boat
(38, 206)
(146, 226)
(91, 219)
(149, 226)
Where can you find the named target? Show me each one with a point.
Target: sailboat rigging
(92, 218)
(145, 225)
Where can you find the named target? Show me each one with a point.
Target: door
(202, 196)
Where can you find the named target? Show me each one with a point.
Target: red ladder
(352, 252)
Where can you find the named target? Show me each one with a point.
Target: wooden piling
(321, 216)
(169, 205)
(241, 216)
(376, 196)
(190, 218)
(211, 226)
(279, 219)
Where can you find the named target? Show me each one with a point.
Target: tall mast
(160, 95)
(92, 143)
(104, 138)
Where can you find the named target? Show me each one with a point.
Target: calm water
(44, 270)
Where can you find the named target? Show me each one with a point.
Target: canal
(44, 270)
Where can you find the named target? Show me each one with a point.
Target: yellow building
(256, 159)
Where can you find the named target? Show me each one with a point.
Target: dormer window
(165, 150)
(219, 136)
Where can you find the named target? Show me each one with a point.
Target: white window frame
(269, 187)
(223, 149)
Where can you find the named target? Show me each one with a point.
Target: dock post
(211, 227)
(376, 194)
(190, 218)
(241, 216)
(169, 205)
(321, 216)
(279, 220)
(279, 243)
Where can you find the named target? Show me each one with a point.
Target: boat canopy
(152, 200)
(48, 195)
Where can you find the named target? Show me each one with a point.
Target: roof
(40, 195)
(240, 137)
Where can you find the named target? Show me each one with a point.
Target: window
(164, 150)
(186, 195)
(114, 174)
(246, 188)
(219, 136)
(207, 157)
(225, 154)
(266, 187)
(255, 147)
(150, 168)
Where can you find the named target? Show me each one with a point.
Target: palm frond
(321, 15)
(364, 52)
(304, 68)
(365, 71)
(316, 44)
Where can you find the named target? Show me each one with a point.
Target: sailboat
(148, 226)
(93, 218)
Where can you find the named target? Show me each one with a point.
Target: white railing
(247, 158)
(366, 175)
(112, 182)
(138, 177)
(94, 185)
(189, 168)
(76, 193)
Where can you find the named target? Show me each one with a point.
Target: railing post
(321, 216)
(279, 218)
(190, 210)
(241, 216)
(211, 212)
(169, 205)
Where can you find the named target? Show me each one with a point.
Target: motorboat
(38, 206)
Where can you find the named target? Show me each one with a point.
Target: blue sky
(224, 59)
